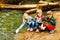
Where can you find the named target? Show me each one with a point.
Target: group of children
(39, 22)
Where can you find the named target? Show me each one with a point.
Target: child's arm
(30, 20)
(20, 27)
(35, 18)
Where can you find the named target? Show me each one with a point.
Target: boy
(50, 18)
(50, 22)
(38, 19)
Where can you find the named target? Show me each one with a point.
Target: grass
(10, 20)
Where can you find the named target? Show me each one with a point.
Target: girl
(39, 18)
(28, 21)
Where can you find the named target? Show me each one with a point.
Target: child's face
(26, 16)
(39, 14)
(49, 16)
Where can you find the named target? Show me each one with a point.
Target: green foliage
(12, 1)
(24, 1)
(56, 9)
(30, 1)
(10, 20)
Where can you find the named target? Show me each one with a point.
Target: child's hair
(39, 11)
(25, 15)
(49, 13)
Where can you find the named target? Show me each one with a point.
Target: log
(29, 6)
(31, 10)
(49, 3)
(54, 3)
(19, 6)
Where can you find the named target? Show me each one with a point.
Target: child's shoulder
(52, 18)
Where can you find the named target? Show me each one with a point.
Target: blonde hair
(39, 11)
(49, 13)
(25, 14)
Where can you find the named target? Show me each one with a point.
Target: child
(50, 22)
(50, 18)
(28, 21)
(38, 19)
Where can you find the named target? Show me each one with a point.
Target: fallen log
(54, 3)
(31, 10)
(19, 6)
(50, 3)
(29, 6)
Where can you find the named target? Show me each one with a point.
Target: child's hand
(42, 22)
(51, 21)
(29, 22)
(39, 22)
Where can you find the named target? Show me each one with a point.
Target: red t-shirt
(49, 26)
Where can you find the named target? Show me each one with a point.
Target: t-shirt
(39, 19)
(49, 26)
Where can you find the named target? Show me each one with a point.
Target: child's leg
(28, 26)
(54, 23)
(37, 26)
(32, 25)
(42, 27)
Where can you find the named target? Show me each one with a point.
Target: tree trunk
(44, 5)
(31, 10)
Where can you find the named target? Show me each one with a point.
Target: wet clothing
(49, 26)
(39, 20)
(29, 23)
(51, 21)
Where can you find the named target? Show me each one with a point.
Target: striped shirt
(39, 19)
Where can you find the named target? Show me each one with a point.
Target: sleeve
(30, 19)
(35, 18)
(43, 17)
(21, 26)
